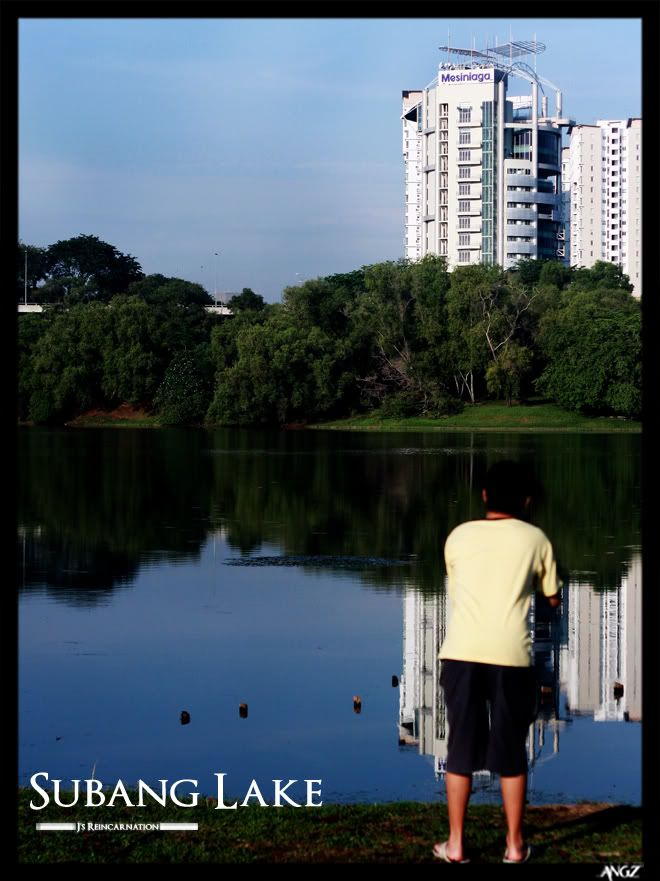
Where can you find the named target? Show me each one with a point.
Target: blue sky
(275, 142)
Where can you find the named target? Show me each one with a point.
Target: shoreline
(489, 417)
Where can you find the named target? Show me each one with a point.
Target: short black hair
(508, 484)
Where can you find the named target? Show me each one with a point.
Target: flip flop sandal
(440, 851)
(528, 853)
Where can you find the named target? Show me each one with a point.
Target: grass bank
(490, 417)
(402, 832)
(123, 416)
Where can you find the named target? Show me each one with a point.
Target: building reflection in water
(588, 653)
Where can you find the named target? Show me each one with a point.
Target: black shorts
(489, 711)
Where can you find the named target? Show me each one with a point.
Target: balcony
(520, 214)
(553, 199)
(520, 247)
(519, 180)
(517, 229)
(473, 210)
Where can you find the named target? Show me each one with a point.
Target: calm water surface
(170, 570)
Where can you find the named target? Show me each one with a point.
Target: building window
(464, 222)
(464, 189)
(464, 239)
(464, 171)
(464, 114)
(463, 256)
(464, 155)
(464, 137)
(463, 206)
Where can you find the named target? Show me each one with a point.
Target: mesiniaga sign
(468, 76)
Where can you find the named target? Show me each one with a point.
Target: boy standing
(493, 566)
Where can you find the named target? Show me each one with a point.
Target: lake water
(163, 571)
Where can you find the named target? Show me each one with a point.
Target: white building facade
(482, 167)
(602, 195)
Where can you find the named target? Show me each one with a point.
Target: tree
(485, 309)
(527, 271)
(504, 377)
(247, 300)
(608, 276)
(184, 394)
(283, 372)
(179, 318)
(592, 342)
(160, 290)
(553, 272)
(467, 346)
(323, 302)
(400, 319)
(132, 363)
(31, 328)
(89, 269)
(67, 363)
(385, 312)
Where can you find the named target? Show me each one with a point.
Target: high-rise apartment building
(602, 195)
(483, 167)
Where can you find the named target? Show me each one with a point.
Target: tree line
(398, 337)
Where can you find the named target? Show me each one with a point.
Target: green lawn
(402, 832)
(491, 417)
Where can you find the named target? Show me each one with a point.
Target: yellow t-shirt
(493, 567)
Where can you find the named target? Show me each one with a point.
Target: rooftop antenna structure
(505, 56)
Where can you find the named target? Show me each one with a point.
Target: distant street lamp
(25, 276)
(215, 283)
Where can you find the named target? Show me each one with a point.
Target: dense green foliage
(183, 396)
(401, 338)
(592, 341)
